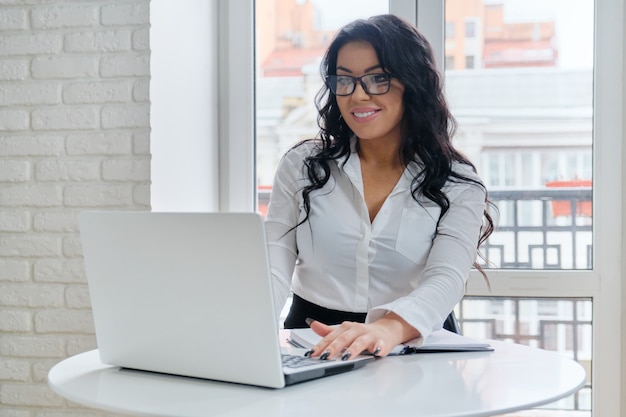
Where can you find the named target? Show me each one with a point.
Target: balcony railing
(547, 228)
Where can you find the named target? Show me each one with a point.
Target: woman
(375, 224)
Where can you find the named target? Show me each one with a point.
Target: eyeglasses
(373, 84)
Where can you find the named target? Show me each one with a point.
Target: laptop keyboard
(296, 361)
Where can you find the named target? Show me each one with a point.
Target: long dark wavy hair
(404, 53)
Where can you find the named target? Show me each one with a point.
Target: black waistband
(302, 309)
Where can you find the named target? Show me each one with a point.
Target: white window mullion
(236, 105)
(428, 16)
(431, 22)
(608, 216)
(407, 9)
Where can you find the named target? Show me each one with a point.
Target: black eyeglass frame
(331, 82)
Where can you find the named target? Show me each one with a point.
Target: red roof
(289, 61)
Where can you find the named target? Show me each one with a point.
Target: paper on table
(439, 341)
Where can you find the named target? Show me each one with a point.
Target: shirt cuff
(402, 309)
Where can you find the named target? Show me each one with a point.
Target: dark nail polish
(325, 355)
(308, 353)
(346, 356)
(308, 321)
(376, 351)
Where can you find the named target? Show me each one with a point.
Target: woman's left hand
(350, 338)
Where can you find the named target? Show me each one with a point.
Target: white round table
(512, 377)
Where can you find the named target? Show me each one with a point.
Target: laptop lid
(186, 294)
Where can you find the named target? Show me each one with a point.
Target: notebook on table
(441, 340)
(189, 294)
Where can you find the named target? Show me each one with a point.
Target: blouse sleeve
(282, 216)
(451, 257)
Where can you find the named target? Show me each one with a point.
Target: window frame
(236, 95)
(237, 188)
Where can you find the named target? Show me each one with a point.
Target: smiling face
(370, 117)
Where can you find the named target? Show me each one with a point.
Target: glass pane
(519, 80)
(292, 36)
(563, 325)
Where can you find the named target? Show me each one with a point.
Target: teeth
(365, 114)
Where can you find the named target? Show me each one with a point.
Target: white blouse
(340, 260)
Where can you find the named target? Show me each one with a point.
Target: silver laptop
(188, 294)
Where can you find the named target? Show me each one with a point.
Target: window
(450, 30)
(470, 28)
(580, 283)
(524, 104)
(449, 61)
(526, 119)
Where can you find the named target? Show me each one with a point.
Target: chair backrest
(452, 324)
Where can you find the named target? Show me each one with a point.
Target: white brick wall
(74, 134)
